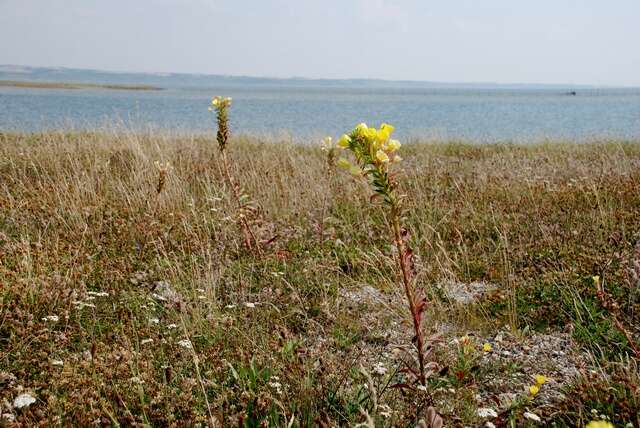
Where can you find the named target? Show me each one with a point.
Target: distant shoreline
(64, 85)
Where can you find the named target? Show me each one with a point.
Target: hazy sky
(507, 41)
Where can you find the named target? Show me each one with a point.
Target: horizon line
(325, 79)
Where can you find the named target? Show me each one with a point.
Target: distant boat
(573, 93)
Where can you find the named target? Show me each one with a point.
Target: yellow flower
(382, 156)
(487, 347)
(533, 389)
(344, 141)
(599, 424)
(370, 134)
(393, 145)
(227, 101)
(387, 128)
(344, 163)
(361, 128)
(596, 279)
(540, 379)
(216, 101)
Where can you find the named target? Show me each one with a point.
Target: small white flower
(154, 320)
(486, 412)
(145, 341)
(379, 369)
(230, 306)
(57, 363)
(23, 400)
(137, 380)
(250, 305)
(8, 417)
(98, 293)
(186, 344)
(277, 386)
(422, 388)
(385, 411)
(172, 326)
(532, 416)
(52, 318)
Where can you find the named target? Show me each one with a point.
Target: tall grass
(273, 337)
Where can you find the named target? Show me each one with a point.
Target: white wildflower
(250, 305)
(98, 293)
(145, 341)
(8, 417)
(23, 400)
(52, 318)
(172, 326)
(532, 416)
(154, 320)
(230, 306)
(385, 411)
(486, 412)
(422, 388)
(379, 369)
(186, 344)
(277, 386)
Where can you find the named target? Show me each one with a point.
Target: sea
(305, 110)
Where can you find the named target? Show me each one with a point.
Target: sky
(503, 41)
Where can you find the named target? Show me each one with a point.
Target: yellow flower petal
(387, 128)
(599, 424)
(540, 379)
(487, 347)
(533, 389)
(370, 134)
(344, 141)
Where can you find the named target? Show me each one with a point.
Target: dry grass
(81, 213)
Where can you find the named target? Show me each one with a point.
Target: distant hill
(182, 80)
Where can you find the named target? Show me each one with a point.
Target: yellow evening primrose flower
(370, 133)
(382, 156)
(344, 163)
(533, 389)
(599, 424)
(540, 379)
(344, 141)
(215, 102)
(487, 347)
(393, 145)
(596, 279)
(387, 128)
(361, 127)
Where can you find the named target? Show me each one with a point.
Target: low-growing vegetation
(142, 286)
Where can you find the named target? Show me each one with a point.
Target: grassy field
(128, 298)
(62, 85)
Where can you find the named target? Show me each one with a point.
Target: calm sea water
(305, 113)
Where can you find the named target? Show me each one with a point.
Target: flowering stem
(250, 238)
(408, 288)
